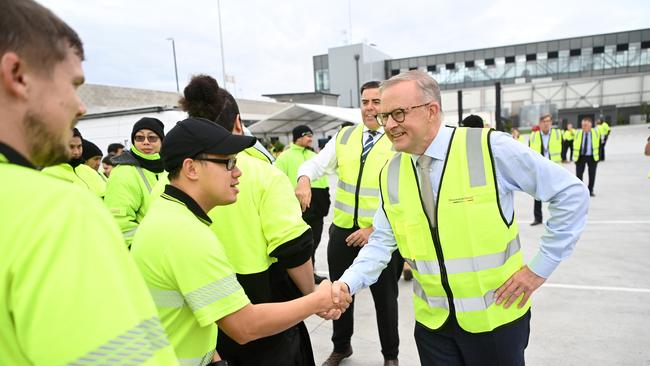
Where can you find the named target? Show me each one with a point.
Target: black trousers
(601, 149)
(452, 346)
(313, 216)
(384, 293)
(566, 146)
(537, 210)
(580, 169)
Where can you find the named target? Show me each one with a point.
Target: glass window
(531, 57)
(634, 53)
(469, 64)
(575, 52)
(394, 72)
(622, 47)
(609, 61)
(322, 80)
(599, 50)
(431, 68)
(553, 54)
(489, 62)
(563, 61)
(510, 59)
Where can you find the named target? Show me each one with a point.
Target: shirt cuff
(353, 282)
(542, 265)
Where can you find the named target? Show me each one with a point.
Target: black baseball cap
(194, 136)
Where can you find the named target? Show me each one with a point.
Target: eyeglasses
(150, 138)
(230, 163)
(398, 114)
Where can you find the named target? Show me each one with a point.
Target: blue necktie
(368, 145)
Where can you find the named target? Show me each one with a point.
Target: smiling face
(420, 125)
(370, 103)
(217, 182)
(53, 110)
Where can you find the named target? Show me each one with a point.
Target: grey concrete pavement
(593, 310)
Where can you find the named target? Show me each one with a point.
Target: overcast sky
(268, 45)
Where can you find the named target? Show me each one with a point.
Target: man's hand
(360, 237)
(341, 295)
(524, 282)
(303, 192)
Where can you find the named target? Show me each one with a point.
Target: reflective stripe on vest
(351, 188)
(470, 264)
(450, 261)
(462, 305)
(133, 347)
(198, 298)
(357, 192)
(197, 361)
(144, 178)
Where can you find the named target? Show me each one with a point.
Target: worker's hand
(360, 237)
(328, 310)
(521, 282)
(303, 192)
(341, 295)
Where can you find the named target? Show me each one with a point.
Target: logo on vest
(462, 199)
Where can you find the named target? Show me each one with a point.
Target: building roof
(318, 117)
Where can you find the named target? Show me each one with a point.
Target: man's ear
(12, 75)
(238, 129)
(189, 169)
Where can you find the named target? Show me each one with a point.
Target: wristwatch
(218, 363)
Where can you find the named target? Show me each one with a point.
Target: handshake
(333, 299)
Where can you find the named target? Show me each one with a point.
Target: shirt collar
(176, 194)
(14, 157)
(380, 130)
(439, 146)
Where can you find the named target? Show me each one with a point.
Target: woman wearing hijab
(128, 190)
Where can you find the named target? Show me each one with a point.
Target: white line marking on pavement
(597, 288)
(600, 222)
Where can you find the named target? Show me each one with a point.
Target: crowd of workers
(192, 247)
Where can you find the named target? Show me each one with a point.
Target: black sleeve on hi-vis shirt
(296, 251)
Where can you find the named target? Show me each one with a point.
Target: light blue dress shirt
(518, 168)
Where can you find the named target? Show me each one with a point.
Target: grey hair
(427, 85)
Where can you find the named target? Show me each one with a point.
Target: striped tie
(368, 144)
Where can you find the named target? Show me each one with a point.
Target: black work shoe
(318, 279)
(335, 358)
(592, 194)
(536, 222)
(408, 274)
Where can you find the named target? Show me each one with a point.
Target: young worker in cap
(185, 265)
(128, 190)
(75, 171)
(264, 236)
(71, 294)
(289, 162)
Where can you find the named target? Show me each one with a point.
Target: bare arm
(262, 320)
(303, 277)
(647, 147)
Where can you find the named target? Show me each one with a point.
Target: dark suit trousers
(384, 293)
(592, 165)
(450, 345)
(537, 210)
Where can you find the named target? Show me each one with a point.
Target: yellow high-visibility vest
(470, 249)
(357, 191)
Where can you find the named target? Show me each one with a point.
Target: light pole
(175, 67)
(223, 59)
